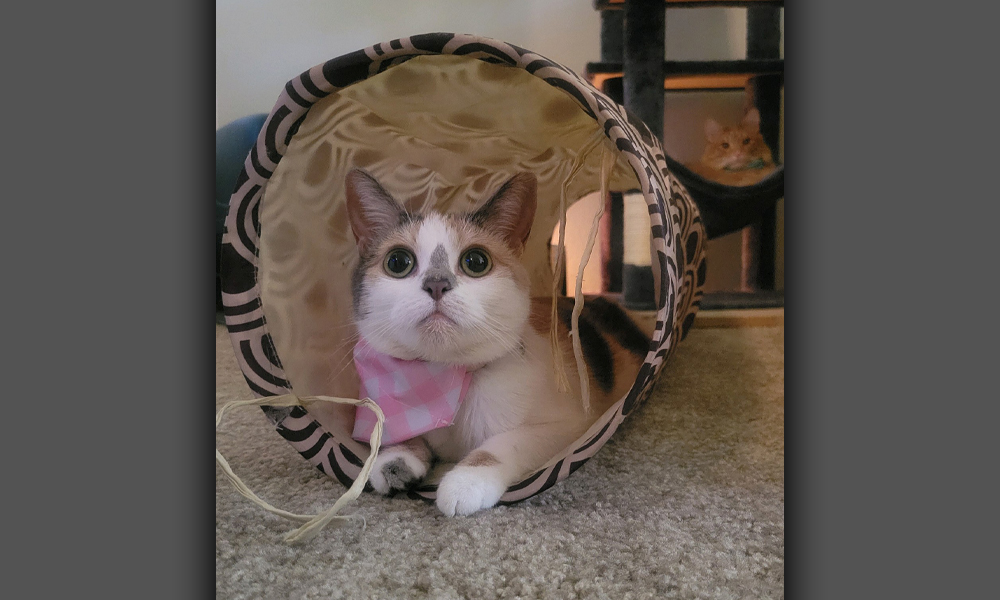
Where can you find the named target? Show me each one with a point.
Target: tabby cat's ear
(511, 210)
(752, 118)
(712, 130)
(370, 209)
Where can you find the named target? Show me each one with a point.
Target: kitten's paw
(396, 469)
(465, 490)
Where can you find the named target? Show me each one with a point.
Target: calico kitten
(451, 289)
(736, 155)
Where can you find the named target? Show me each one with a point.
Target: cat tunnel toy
(440, 120)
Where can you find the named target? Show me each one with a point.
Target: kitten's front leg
(398, 467)
(478, 481)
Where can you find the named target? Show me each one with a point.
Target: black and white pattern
(678, 242)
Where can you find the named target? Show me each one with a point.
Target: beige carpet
(686, 501)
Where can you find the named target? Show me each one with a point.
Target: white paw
(396, 469)
(464, 490)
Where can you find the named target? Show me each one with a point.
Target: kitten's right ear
(370, 209)
(712, 130)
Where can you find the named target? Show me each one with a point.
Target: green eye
(476, 262)
(399, 262)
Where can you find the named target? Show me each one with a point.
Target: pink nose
(437, 287)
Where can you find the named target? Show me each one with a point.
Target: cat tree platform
(693, 74)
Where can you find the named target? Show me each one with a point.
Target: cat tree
(633, 71)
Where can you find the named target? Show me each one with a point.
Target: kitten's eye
(725, 145)
(399, 262)
(746, 141)
(476, 262)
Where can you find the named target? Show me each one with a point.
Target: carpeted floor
(686, 501)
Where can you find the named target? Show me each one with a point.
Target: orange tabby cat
(737, 155)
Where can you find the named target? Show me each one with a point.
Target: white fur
(465, 490)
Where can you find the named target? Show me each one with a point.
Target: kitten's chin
(443, 339)
(438, 324)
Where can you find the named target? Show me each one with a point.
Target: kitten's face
(736, 148)
(443, 288)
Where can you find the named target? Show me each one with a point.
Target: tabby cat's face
(443, 288)
(736, 148)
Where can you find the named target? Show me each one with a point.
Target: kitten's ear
(511, 210)
(370, 209)
(752, 119)
(712, 130)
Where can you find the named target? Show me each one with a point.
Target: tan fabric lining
(438, 132)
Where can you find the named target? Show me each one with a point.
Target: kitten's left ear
(511, 210)
(752, 118)
(370, 209)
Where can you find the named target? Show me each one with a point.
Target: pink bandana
(415, 395)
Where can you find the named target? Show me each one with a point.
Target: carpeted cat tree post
(440, 120)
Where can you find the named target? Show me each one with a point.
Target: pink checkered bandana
(415, 395)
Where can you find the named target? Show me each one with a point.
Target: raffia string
(607, 163)
(562, 381)
(313, 524)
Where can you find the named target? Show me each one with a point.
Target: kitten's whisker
(339, 368)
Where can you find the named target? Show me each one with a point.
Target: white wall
(261, 44)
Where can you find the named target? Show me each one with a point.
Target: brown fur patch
(480, 458)
(626, 363)
(469, 235)
(405, 236)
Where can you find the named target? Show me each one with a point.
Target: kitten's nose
(436, 287)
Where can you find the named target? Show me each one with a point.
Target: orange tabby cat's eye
(746, 141)
(725, 145)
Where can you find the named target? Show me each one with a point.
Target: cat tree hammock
(440, 119)
(725, 209)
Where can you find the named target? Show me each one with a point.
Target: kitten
(451, 289)
(737, 155)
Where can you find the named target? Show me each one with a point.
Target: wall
(261, 44)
